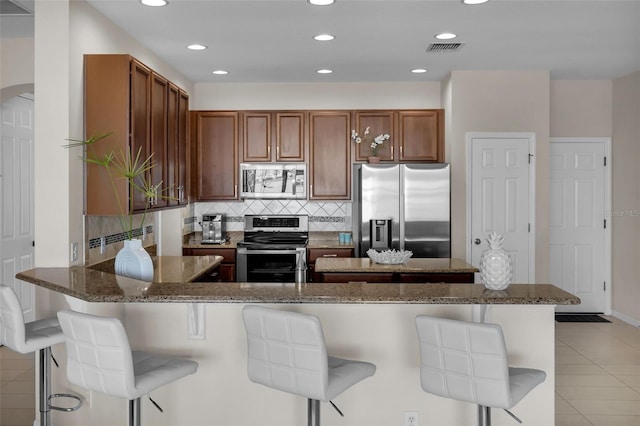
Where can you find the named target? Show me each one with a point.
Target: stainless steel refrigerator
(402, 206)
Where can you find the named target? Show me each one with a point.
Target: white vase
(496, 269)
(133, 261)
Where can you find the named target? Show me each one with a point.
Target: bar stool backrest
(12, 330)
(286, 351)
(98, 353)
(464, 361)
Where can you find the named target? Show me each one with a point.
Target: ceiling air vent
(10, 8)
(444, 47)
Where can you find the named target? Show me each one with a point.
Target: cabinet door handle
(392, 152)
(268, 150)
(330, 255)
(235, 190)
(401, 152)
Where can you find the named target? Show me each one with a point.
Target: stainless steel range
(274, 249)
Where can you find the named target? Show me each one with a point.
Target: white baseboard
(622, 317)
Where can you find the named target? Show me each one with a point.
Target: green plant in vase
(135, 170)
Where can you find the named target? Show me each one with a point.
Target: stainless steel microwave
(273, 180)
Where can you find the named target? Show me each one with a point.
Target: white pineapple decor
(496, 269)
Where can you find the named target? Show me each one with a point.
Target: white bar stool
(467, 361)
(30, 337)
(99, 358)
(286, 351)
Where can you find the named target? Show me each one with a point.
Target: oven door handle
(261, 251)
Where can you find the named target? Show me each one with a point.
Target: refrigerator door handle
(402, 209)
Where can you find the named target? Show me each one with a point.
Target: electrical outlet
(74, 251)
(411, 418)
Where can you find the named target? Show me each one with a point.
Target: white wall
(55, 213)
(626, 197)
(16, 66)
(220, 96)
(499, 101)
(581, 108)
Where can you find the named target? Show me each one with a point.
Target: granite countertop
(94, 285)
(327, 240)
(171, 268)
(194, 240)
(413, 265)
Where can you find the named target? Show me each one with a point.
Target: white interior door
(500, 198)
(578, 261)
(16, 200)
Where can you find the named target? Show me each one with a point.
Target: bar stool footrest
(65, 395)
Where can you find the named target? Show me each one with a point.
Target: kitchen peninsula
(368, 321)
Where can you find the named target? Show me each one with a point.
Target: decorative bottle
(496, 268)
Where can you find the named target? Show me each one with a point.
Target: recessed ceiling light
(323, 37)
(321, 2)
(474, 1)
(220, 72)
(419, 71)
(154, 3)
(196, 47)
(324, 71)
(446, 36)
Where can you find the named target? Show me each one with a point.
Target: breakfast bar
(368, 321)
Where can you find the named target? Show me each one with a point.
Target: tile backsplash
(323, 216)
(104, 236)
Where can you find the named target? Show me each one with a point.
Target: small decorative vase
(373, 159)
(496, 269)
(133, 261)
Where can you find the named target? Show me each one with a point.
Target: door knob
(477, 241)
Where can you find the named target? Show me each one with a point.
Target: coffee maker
(212, 228)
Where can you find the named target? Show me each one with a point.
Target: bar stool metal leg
(134, 412)
(484, 415)
(313, 412)
(45, 396)
(45, 385)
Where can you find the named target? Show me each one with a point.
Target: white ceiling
(382, 40)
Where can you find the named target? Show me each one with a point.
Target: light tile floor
(597, 377)
(17, 388)
(597, 374)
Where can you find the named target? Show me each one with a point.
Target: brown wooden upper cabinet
(416, 135)
(128, 99)
(140, 119)
(273, 136)
(177, 146)
(215, 155)
(379, 122)
(159, 137)
(421, 135)
(330, 159)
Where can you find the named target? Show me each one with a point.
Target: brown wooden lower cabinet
(226, 270)
(315, 253)
(392, 277)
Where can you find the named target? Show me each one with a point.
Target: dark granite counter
(413, 265)
(194, 240)
(93, 285)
